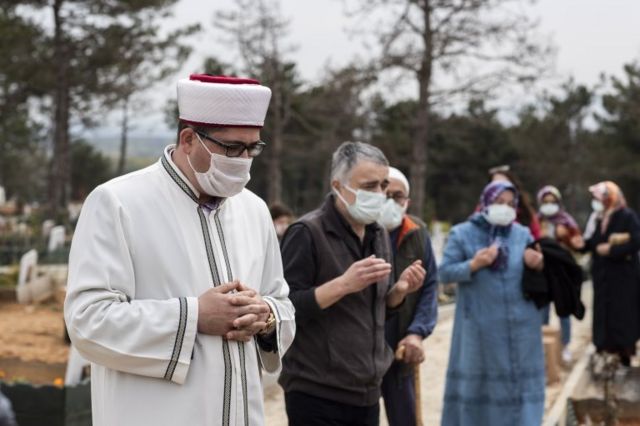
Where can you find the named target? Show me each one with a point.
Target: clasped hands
(233, 311)
(485, 257)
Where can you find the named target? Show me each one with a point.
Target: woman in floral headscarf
(555, 221)
(496, 364)
(557, 224)
(613, 238)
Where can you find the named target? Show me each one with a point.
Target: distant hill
(142, 150)
(139, 146)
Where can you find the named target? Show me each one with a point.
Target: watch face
(270, 324)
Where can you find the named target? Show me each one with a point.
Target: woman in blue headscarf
(496, 364)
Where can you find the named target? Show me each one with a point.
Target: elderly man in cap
(176, 291)
(337, 262)
(417, 317)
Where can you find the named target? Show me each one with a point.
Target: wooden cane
(416, 384)
(400, 353)
(418, 390)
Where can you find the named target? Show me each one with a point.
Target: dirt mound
(32, 346)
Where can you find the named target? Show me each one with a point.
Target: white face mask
(225, 177)
(367, 207)
(597, 206)
(281, 228)
(549, 209)
(500, 214)
(391, 214)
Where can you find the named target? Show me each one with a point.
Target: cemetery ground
(33, 350)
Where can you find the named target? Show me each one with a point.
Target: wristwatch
(271, 325)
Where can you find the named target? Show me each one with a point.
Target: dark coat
(616, 284)
(559, 282)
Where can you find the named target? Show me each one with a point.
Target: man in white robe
(176, 291)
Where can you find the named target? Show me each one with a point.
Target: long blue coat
(496, 364)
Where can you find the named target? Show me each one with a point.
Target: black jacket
(616, 284)
(559, 282)
(339, 353)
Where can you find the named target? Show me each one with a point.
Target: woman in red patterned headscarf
(613, 238)
(557, 224)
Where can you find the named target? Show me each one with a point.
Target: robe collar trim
(180, 179)
(177, 176)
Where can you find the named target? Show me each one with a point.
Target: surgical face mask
(225, 177)
(500, 214)
(597, 206)
(391, 214)
(367, 207)
(549, 209)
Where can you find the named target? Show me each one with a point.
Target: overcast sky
(591, 37)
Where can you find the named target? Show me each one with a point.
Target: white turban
(205, 100)
(397, 174)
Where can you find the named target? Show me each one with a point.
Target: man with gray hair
(337, 262)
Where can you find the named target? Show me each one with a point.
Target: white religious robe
(143, 251)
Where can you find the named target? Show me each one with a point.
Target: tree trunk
(61, 165)
(274, 189)
(418, 169)
(3, 157)
(123, 136)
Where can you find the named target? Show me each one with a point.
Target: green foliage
(463, 149)
(393, 131)
(22, 164)
(10, 278)
(620, 142)
(98, 55)
(22, 159)
(89, 169)
(113, 51)
(548, 145)
(554, 147)
(322, 117)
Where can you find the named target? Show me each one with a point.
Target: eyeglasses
(236, 149)
(398, 197)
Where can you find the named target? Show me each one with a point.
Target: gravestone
(74, 208)
(28, 264)
(56, 238)
(31, 287)
(23, 229)
(47, 226)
